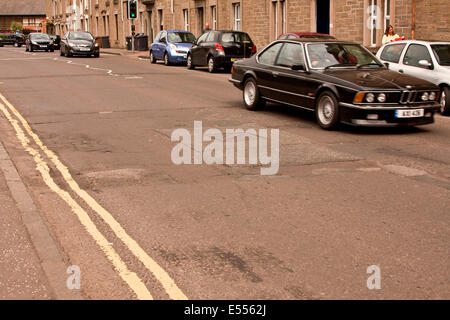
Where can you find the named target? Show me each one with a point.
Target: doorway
(323, 16)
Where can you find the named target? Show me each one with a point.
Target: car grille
(413, 96)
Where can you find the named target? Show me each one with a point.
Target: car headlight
(33, 42)
(96, 45)
(370, 97)
(172, 46)
(425, 96)
(432, 96)
(381, 98)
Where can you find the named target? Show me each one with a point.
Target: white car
(428, 60)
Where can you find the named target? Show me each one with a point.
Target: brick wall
(257, 18)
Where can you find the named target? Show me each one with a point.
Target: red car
(305, 35)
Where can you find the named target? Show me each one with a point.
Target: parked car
(39, 41)
(171, 46)
(305, 35)
(339, 81)
(427, 60)
(219, 49)
(15, 39)
(56, 41)
(79, 43)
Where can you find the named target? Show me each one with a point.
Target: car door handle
(275, 74)
(401, 71)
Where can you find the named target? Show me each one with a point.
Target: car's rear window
(392, 52)
(238, 37)
(442, 53)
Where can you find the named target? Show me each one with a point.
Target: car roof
(420, 42)
(174, 30)
(308, 34)
(312, 40)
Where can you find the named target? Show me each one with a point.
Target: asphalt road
(341, 201)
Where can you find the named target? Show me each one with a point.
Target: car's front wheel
(252, 97)
(327, 111)
(445, 101)
(166, 59)
(152, 57)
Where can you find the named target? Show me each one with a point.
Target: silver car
(428, 60)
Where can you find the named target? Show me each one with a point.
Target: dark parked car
(56, 41)
(39, 41)
(79, 43)
(305, 35)
(15, 39)
(219, 49)
(339, 81)
(171, 46)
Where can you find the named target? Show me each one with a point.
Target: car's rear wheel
(152, 57)
(327, 111)
(166, 59)
(189, 63)
(445, 101)
(251, 95)
(211, 65)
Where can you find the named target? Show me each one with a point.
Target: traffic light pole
(132, 35)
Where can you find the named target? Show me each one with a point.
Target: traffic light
(132, 9)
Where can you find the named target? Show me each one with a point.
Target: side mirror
(425, 63)
(386, 64)
(298, 67)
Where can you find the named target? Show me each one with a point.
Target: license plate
(185, 56)
(43, 46)
(409, 113)
(85, 49)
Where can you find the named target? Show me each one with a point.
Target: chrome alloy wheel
(327, 109)
(443, 101)
(249, 93)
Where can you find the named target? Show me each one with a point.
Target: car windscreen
(39, 36)
(180, 37)
(330, 55)
(442, 53)
(236, 37)
(80, 36)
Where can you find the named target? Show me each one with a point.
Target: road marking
(131, 278)
(133, 77)
(24, 59)
(158, 272)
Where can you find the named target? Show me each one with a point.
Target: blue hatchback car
(171, 46)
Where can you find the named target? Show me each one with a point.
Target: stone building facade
(362, 21)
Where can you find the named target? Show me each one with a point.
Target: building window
(96, 26)
(160, 19)
(116, 20)
(237, 16)
(200, 20)
(387, 13)
(186, 19)
(283, 17)
(275, 19)
(104, 25)
(373, 22)
(214, 17)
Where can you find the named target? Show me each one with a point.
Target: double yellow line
(131, 278)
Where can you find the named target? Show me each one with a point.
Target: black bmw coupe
(342, 82)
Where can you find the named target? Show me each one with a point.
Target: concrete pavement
(342, 201)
